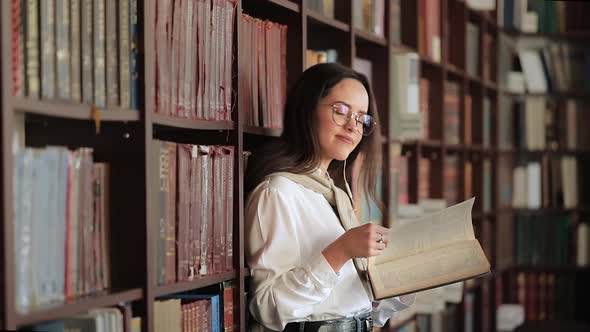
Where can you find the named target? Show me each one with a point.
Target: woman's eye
(341, 109)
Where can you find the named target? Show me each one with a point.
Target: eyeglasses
(342, 113)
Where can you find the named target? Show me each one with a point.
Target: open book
(428, 252)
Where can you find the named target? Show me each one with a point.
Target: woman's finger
(378, 245)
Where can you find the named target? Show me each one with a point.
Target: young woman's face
(339, 134)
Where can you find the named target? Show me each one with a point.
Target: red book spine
(229, 205)
(17, 80)
(218, 212)
(228, 308)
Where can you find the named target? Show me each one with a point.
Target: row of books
(548, 182)
(112, 319)
(59, 53)
(541, 16)
(554, 67)
(262, 72)
(369, 15)
(410, 116)
(476, 182)
(194, 57)
(475, 128)
(213, 311)
(536, 123)
(572, 132)
(61, 223)
(324, 7)
(194, 210)
(542, 240)
(449, 317)
(313, 57)
(545, 295)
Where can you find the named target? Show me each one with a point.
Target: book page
(429, 269)
(436, 230)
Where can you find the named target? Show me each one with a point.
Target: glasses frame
(349, 117)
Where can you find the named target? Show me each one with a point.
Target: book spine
(124, 54)
(218, 212)
(229, 201)
(170, 262)
(32, 49)
(105, 208)
(62, 19)
(17, 48)
(134, 55)
(99, 53)
(228, 307)
(112, 77)
(196, 190)
(206, 212)
(76, 78)
(87, 51)
(163, 188)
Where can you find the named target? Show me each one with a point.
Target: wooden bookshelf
(370, 37)
(319, 19)
(128, 138)
(78, 306)
(191, 124)
(260, 131)
(201, 282)
(69, 110)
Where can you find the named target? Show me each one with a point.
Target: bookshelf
(126, 139)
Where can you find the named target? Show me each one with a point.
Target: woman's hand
(363, 241)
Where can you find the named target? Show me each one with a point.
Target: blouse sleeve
(388, 307)
(284, 288)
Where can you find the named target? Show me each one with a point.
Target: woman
(300, 255)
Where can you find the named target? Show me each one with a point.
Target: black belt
(360, 323)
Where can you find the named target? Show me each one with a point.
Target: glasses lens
(368, 124)
(341, 114)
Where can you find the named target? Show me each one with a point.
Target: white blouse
(287, 227)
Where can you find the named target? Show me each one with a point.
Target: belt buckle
(367, 325)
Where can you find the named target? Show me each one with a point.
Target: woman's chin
(341, 156)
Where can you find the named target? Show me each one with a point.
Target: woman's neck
(324, 164)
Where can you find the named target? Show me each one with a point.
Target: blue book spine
(134, 54)
(216, 309)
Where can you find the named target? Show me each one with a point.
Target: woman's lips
(345, 139)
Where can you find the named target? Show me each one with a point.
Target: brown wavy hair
(298, 149)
